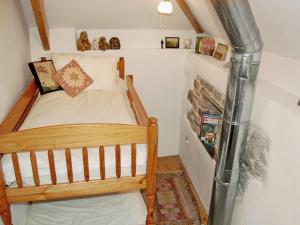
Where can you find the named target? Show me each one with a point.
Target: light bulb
(165, 7)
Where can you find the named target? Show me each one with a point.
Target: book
(205, 45)
(210, 125)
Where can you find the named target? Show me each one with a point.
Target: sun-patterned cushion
(72, 78)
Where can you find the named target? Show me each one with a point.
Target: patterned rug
(174, 203)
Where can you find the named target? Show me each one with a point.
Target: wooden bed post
(4, 206)
(152, 167)
(121, 68)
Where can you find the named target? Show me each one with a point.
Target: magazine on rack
(210, 125)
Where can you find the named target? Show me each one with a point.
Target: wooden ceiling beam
(190, 16)
(40, 18)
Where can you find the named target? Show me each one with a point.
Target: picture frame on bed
(43, 72)
(172, 42)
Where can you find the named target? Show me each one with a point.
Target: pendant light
(165, 7)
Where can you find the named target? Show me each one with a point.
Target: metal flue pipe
(239, 23)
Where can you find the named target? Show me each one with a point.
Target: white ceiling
(279, 23)
(278, 20)
(108, 14)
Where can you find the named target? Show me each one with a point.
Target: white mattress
(126, 209)
(88, 107)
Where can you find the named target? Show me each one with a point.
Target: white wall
(275, 112)
(14, 74)
(281, 71)
(194, 156)
(14, 54)
(158, 73)
(277, 201)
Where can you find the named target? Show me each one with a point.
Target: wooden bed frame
(52, 138)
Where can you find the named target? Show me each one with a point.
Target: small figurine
(115, 43)
(162, 43)
(103, 45)
(83, 43)
(95, 43)
(187, 43)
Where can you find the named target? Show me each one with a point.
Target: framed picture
(43, 72)
(220, 52)
(205, 45)
(172, 42)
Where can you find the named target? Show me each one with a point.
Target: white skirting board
(113, 209)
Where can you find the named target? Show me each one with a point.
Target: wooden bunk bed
(66, 137)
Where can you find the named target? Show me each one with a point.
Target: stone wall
(205, 98)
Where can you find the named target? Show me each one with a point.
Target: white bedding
(88, 107)
(126, 209)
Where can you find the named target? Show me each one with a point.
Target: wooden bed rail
(72, 136)
(81, 136)
(121, 68)
(19, 112)
(136, 103)
(76, 189)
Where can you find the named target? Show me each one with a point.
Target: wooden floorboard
(170, 164)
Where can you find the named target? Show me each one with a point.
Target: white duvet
(88, 107)
(114, 209)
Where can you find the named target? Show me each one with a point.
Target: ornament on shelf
(187, 43)
(115, 43)
(103, 45)
(162, 43)
(83, 42)
(95, 43)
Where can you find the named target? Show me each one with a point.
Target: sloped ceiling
(108, 14)
(278, 20)
(279, 23)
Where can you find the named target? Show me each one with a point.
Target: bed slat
(34, 167)
(69, 165)
(133, 160)
(85, 158)
(102, 162)
(118, 161)
(52, 167)
(15, 160)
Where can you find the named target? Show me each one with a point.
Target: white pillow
(102, 69)
(62, 59)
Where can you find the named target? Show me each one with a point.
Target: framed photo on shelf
(205, 45)
(172, 42)
(220, 52)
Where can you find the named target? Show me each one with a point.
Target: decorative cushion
(72, 78)
(102, 69)
(43, 72)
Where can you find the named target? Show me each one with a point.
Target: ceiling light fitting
(165, 7)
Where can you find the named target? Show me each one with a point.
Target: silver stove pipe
(239, 23)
